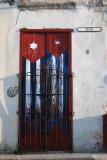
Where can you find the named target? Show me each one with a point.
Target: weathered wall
(89, 57)
(55, 3)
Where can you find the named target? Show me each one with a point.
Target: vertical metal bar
(62, 97)
(40, 122)
(32, 109)
(66, 93)
(33, 81)
(23, 98)
(48, 89)
(43, 101)
(46, 76)
(34, 114)
(46, 104)
(57, 80)
(37, 102)
(46, 100)
(28, 99)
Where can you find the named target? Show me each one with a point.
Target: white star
(57, 42)
(33, 45)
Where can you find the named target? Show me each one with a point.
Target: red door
(45, 112)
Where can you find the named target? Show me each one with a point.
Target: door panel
(45, 122)
(57, 121)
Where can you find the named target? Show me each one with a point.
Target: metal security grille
(45, 123)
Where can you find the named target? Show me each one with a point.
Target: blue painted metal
(65, 90)
(46, 117)
(33, 88)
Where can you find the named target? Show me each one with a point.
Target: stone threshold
(54, 156)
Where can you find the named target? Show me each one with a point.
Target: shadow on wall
(88, 134)
(8, 116)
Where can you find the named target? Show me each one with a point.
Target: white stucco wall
(90, 70)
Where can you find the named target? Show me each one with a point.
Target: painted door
(45, 112)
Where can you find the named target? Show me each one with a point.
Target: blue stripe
(49, 88)
(65, 90)
(43, 92)
(57, 78)
(49, 66)
(33, 87)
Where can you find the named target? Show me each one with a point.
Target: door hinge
(17, 112)
(71, 75)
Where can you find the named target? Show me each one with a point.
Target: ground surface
(54, 156)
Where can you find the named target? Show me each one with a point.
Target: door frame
(70, 81)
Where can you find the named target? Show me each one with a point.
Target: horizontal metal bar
(38, 114)
(43, 94)
(42, 75)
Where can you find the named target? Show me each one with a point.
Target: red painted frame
(70, 81)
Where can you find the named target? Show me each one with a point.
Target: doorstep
(54, 156)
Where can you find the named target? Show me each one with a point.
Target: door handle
(17, 112)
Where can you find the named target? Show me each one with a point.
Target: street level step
(49, 156)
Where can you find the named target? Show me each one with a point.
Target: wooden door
(45, 112)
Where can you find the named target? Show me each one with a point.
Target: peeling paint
(10, 2)
(55, 4)
(97, 136)
(17, 18)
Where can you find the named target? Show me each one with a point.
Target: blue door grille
(45, 94)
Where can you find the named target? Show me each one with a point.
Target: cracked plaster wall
(89, 64)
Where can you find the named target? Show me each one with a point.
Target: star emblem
(33, 45)
(57, 42)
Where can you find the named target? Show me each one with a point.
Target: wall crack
(17, 18)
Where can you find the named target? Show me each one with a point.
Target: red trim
(45, 30)
(20, 90)
(70, 98)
